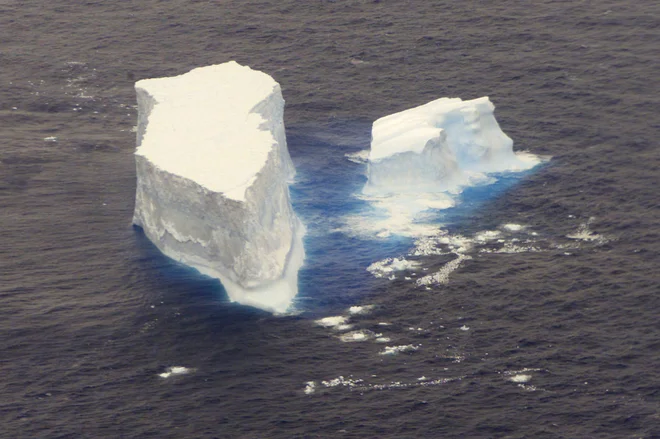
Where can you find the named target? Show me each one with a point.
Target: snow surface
(214, 125)
(439, 147)
(212, 170)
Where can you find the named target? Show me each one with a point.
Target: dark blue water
(325, 192)
(547, 331)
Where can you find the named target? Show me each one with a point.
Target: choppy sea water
(547, 326)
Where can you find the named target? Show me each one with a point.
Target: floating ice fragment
(487, 235)
(520, 378)
(332, 322)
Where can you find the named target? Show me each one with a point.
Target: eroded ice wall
(212, 180)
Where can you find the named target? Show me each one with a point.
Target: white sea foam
(528, 387)
(175, 370)
(456, 358)
(522, 371)
(391, 350)
(387, 267)
(510, 247)
(310, 387)
(356, 384)
(358, 336)
(520, 378)
(394, 216)
(513, 227)
(443, 244)
(359, 157)
(487, 235)
(358, 310)
(341, 381)
(583, 233)
(442, 276)
(336, 322)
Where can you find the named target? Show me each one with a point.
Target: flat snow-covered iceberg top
(439, 146)
(212, 125)
(212, 170)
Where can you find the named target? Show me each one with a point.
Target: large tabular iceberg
(440, 146)
(212, 180)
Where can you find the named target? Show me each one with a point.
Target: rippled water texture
(532, 312)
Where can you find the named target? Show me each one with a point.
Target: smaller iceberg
(440, 147)
(421, 158)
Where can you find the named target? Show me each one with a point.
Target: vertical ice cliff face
(212, 180)
(440, 146)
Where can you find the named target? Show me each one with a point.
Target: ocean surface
(542, 316)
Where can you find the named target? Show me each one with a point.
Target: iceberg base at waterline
(212, 180)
